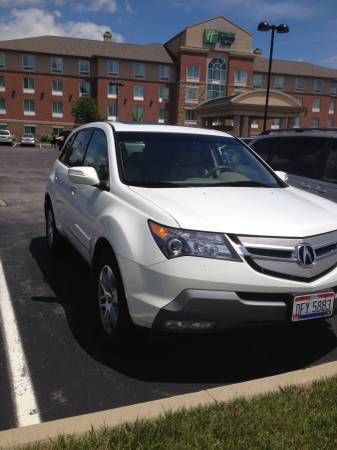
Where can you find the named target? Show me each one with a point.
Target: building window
(84, 67)
(192, 94)
(192, 73)
(332, 107)
(164, 93)
(240, 78)
(139, 70)
(295, 122)
(112, 111)
(216, 78)
(329, 123)
(300, 100)
(113, 67)
(2, 60)
(316, 105)
(57, 87)
(2, 84)
(2, 106)
(57, 109)
(58, 130)
(279, 82)
(28, 62)
(28, 85)
(29, 129)
(299, 84)
(56, 64)
(257, 80)
(84, 89)
(333, 88)
(190, 117)
(138, 92)
(112, 90)
(29, 107)
(138, 114)
(164, 73)
(163, 115)
(314, 122)
(275, 123)
(254, 123)
(318, 85)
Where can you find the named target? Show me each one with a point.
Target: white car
(187, 229)
(6, 137)
(28, 139)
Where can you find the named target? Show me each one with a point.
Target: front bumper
(228, 293)
(198, 310)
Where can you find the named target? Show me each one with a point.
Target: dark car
(307, 156)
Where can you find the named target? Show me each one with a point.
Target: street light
(264, 26)
(117, 86)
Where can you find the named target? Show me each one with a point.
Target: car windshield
(27, 136)
(189, 160)
(5, 132)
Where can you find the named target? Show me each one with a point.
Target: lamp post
(264, 26)
(117, 86)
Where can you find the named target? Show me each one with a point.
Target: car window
(187, 160)
(5, 132)
(301, 156)
(330, 171)
(75, 152)
(97, 155)
(264, 148)
(66, 149)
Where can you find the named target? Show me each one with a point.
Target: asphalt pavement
(71, 372)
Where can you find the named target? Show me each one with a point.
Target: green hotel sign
(213, 36)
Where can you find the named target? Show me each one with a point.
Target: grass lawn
(294, 418)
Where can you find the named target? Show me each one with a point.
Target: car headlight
(174, 242)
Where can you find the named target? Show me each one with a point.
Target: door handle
(73, 190)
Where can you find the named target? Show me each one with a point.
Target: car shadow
(234, 356)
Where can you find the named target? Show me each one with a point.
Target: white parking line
(26, 409)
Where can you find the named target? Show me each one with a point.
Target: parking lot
(71, 373)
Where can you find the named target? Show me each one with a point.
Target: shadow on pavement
(234, 356)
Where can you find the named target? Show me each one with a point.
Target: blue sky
(312, 24)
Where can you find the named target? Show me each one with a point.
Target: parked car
(6, 137)
(183, 237)
(307, 156)
(28, 139)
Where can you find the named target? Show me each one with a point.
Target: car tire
(111, 311)
(53, 237)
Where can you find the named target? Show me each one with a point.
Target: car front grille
(277, 256)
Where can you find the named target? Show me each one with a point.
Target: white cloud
(128, 6)
(37, 22)
(332, 61)
(103, 5)
(20, 3)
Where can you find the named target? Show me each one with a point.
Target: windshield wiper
(244, 184)
(156, 184)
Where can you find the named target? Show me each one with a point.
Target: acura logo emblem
(305, 255)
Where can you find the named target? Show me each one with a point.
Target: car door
(71, 157)
(89, 201)
(302, 158)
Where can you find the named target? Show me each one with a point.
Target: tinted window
(67, 148)
(264, 148)
(300, 156)
(330, 172)
(97, 155)
(75, 153)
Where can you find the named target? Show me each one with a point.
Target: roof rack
(297, 130)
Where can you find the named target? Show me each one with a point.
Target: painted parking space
(71, 372)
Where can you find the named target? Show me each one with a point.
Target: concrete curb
(151, 410)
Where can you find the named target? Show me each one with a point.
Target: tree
(85, 110)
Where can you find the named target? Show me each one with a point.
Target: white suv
(6, 137)
(187, 229)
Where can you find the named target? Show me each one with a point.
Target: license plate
(312, 306)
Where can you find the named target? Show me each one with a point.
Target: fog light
(188, 325)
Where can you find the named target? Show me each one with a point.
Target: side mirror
(282, 175)
(83, 175)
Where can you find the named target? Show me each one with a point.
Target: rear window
(5, 132)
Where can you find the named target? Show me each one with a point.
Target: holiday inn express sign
(212, 36)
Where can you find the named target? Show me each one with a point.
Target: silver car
(6, 137)
(307, 156)
(28, 139)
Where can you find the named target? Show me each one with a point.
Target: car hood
(288, 212)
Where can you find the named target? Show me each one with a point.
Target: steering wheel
(220, 168)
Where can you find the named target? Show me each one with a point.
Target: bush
(45, 138)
